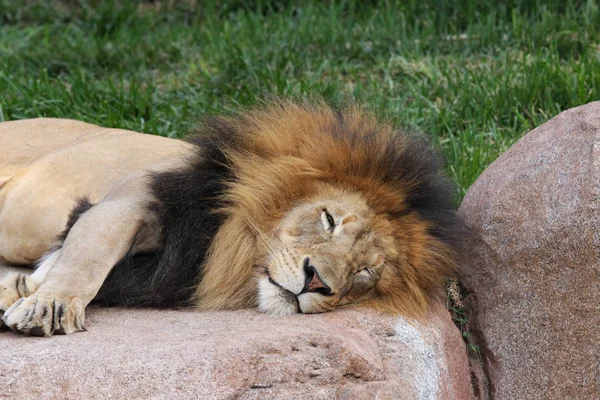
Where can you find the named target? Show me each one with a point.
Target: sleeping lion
(292, 208)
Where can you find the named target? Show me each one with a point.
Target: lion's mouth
(287, 295)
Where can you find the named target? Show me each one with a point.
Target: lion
(289, 208)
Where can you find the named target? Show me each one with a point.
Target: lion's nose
(313, 282)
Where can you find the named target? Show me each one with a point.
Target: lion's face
(325, 253)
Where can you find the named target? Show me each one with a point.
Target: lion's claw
(44, 317)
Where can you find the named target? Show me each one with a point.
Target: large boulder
(533, 265)
(165, 354)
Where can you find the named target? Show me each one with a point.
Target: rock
(164, 354)
(533, 266)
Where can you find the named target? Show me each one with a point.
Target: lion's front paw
(43, 317)
(12, 288)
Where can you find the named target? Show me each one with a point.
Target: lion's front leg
(99, 239)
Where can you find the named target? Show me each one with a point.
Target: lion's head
(326, 252)
(327, 209)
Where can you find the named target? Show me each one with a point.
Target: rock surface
(534, 263)
(165, 354)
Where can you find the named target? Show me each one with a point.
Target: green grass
(475, 75)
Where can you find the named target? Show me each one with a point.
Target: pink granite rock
(166, 354)
(534, 264)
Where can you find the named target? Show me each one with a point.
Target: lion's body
(47, 164)
(295, 208)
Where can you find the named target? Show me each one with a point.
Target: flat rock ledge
(184, 354)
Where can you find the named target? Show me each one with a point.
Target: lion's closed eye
(368, 272)
(328, 221)
(364, 280)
